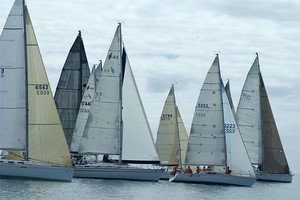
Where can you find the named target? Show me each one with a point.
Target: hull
(28, 170)
(273, 177)
(165, 175)
(119, 172)
(214, 178)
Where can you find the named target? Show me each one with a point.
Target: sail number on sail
(229, 128)
(42, 89)
(202, 105)
(2, 72)
(166, 117)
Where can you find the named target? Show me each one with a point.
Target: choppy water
(88, 189)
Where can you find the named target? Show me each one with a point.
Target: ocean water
(89, 189)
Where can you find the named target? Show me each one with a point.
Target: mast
(121, 93)
(80, 65)
(26, 82)
(177, 129)
(221, 87)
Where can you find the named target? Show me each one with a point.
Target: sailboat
(105, 133)
(71, 86)
(30, 125)
(259, 131)
(212, 132)
(172, 138)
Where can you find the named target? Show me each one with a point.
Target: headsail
(136, 125)
(237, 157)
(46, 137)
(71, 86)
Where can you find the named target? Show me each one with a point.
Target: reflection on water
(88, 189)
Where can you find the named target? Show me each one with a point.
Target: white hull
(273, 177)
(120, 172)
(213, 178)
(27, 170)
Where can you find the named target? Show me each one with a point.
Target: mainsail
(206, 144)
(12, 67)
(102, 133)
(71, 85)
(249, 114)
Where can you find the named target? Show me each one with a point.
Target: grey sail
(274, 157)
(71, 85)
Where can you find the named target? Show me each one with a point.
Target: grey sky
(175, 42)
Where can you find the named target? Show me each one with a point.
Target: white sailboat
(258, 128)
(213, 130)
(172, 138)
(71, 86)
(30, 125)
(106, 134)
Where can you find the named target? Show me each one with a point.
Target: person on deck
(174, 170)
(188, 170)
(228, 171)
(198, 170)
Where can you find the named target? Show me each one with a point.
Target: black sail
(70, 88)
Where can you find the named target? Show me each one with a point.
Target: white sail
(84, 109)
(249, 114)
(206, 144)
(46, 136)
(138, 144)
(237, 157)
(102, 130)
(12, 68)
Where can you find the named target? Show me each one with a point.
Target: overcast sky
(174, 42)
